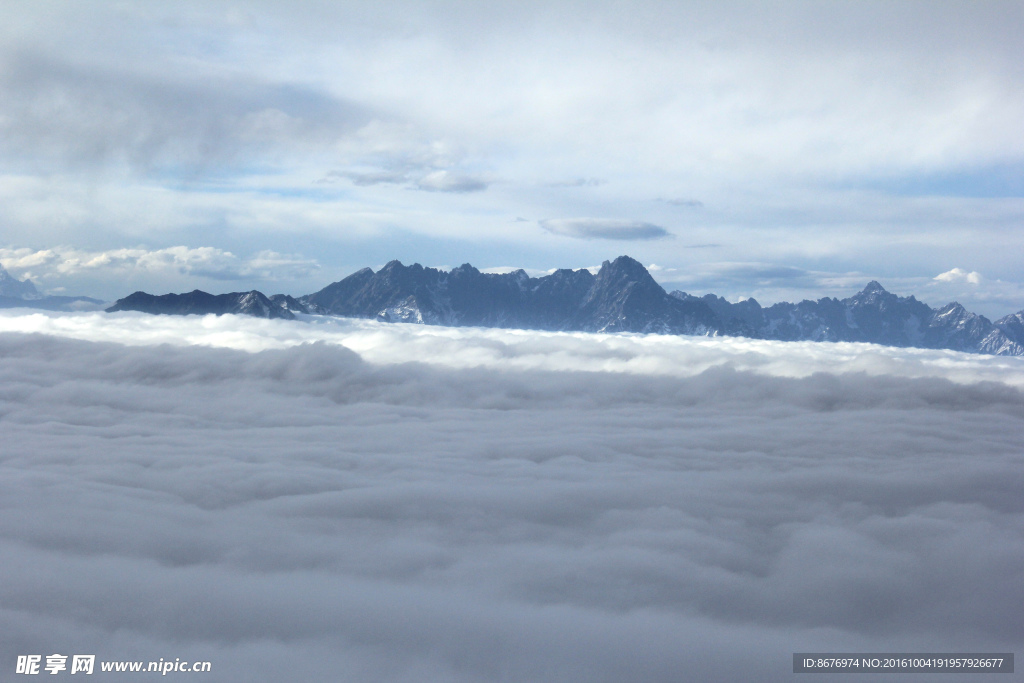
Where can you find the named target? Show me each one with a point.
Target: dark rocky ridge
(200, 303)
(625, 298)
(1012, 326)
(622, 297)
(876, 316)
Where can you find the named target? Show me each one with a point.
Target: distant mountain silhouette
(198, 302)
(876, 316)
(16, 293)
(13, 288)
(622, 297)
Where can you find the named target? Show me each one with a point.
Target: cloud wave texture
(300, 510)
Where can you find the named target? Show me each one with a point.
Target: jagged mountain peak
(874, 294)
(625, 270)
(1014, 318)
(13, 287)
(1013, 327)
(625, 264)
(1019, 315)
(393, 266)
(874, 287)
(625, 298)
(953, 307)
(464, 270)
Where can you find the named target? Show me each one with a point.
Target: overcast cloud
(302, 513)
(864, 137)
(331, 499)
(67, 116)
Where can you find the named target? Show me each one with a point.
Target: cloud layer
(63, 115)
(523, 350)
(203, 262)
(300, 512)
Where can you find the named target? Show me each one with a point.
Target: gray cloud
(364, 178)
(66, 115)
(438, 180)
(603, 228)
(765, 273)
(301, 511)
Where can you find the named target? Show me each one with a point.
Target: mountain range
(622, 297)
(200, 303)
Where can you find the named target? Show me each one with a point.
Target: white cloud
(523, 350)
(208, 262)
(303, 513)
(959, 275)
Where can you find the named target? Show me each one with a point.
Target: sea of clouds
(332, 499)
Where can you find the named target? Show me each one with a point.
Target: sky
(335, 499)
(353, 500)
(775, 150)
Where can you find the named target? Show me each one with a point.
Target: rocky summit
(622, 297)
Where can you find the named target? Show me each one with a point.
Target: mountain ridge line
(621, 297)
